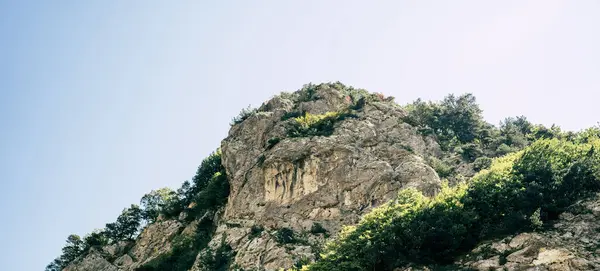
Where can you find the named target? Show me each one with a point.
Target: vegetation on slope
(207, 192)
(316, 125)
(457, 124)
(522, 191)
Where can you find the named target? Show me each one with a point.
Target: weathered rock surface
(572, 244)
(282, 182)
(93, 261)
(154, 241)
(331, 180)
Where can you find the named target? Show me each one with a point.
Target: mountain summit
(336, 178)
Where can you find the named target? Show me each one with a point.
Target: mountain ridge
(295, 171)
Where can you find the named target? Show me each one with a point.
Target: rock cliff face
(289, 194)
(329, 180)
(154, 241)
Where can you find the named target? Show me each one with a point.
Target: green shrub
(536, 219)
(261, 160)
(219, 259)
(255, 231)
(299, 263)
(307, 93)
(407, 148)
(482, 163)
(317, 228)
(504, 149)
(358, 105)
(471, 151)
(442, 168)
(212, 197)
(291, 115)
(272, 142)
(285, 236)
(244, 114)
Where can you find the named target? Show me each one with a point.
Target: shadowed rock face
(331, 180)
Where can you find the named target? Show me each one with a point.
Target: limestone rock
(154, 241)
(93, 261)
(572, 245)
(331, 180)
(277, 182)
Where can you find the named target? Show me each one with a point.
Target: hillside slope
(294, 172)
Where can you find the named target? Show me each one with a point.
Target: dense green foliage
(285, 236)
(455, 119)
(522, 191)
(127, 225)
(161, 201)
(458, 125)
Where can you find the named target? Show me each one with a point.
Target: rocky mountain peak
(285, 173)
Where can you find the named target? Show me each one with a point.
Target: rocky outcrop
(330, 180)
(153, 241)
(93, 261)
(290, 194)
(571, 244)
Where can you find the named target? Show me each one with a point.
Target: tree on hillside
(126, 226)
(207, 169)
(461, 117)
(586, 135)
(56, 265)
(158, 202)
(71, 251)
(73, 248)
(514, 135)
(96, 238)
(455, 120)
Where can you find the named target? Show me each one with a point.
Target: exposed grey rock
(154, 241)
(334, 180)
(93, 261)
(331, 180)
(572, 245)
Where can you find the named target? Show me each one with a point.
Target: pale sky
(103, 101)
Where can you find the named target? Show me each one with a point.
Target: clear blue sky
(102, 101)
